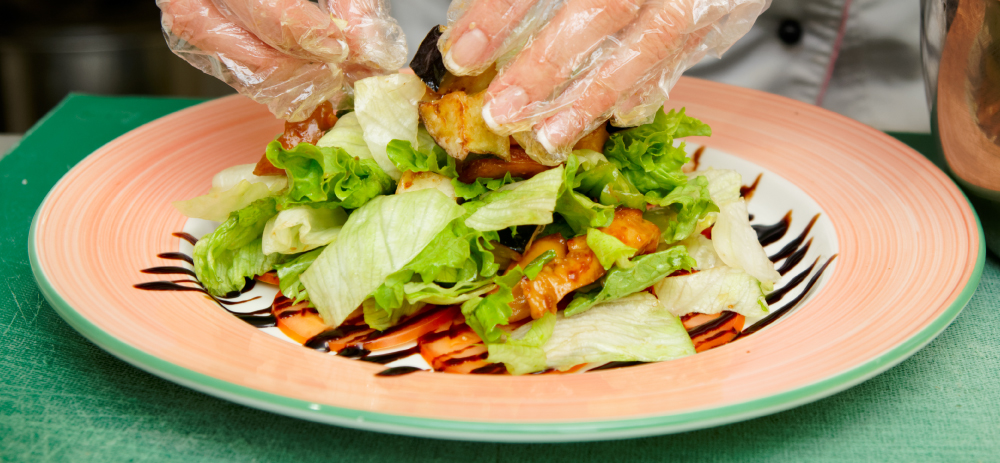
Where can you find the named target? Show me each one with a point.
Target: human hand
(290, 55)
(567, 66)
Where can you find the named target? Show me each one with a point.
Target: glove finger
(480, 31)
(376, 41)
(666, 39)
(291, 88)
(294, 27)
(579, 33)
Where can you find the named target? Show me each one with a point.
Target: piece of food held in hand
(405, 228)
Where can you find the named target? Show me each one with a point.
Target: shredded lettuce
(480, 186)
(723, 184)
(327, 177)
(458, 257)
(681, 210)
(381, 319)
(702, 251)
(289, 272)
(232, 189)
(386, 107)
(530, 202)
(579, 211)
(524, 354)
(433, 293)
(405, 157)
(485, 314)
(233, 252)
(347, 134)
(609, 249)
(301, 229)
(646, 154)
(712, 291)
(378, 240)
(599, 178)
(737, 245)
(644, 272)
(537, 264)
(633, 328)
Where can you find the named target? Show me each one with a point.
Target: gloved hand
(567, 66)
(290, 55)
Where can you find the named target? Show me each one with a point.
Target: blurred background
(49, 48)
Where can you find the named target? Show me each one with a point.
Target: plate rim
(507, 431)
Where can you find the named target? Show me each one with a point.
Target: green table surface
(64, 399)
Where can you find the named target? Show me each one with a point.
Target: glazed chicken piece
(307, 131)
(630, 228)
(519, 165)
(575, 265)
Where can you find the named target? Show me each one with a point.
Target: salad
(405, 226)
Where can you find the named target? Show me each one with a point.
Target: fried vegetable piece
(454, 347)
(307, 131)
(594, 140)
(575, 265)
(519, 165)
(709, 331)
(456, 123)
(298, 321)
(468, 84)
(416, 181)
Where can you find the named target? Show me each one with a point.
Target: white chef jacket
(860, 58)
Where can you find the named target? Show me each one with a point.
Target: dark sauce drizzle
(696, 158)
(258, 319)
(779, 293)
(795, 258)
(775, 315)
(186, 237)
(397, 371)
(747, 191)
(614, 365)
(707, 327)
(794, 244)
(768, 234)
(794, 251)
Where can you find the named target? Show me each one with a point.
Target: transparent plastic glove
(567, 66)
(290, 55)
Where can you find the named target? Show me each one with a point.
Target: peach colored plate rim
(52, 278)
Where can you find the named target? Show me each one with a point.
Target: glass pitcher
(961, 58)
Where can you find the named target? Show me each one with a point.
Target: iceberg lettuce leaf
(737, 245)
(378, 240)
(646, 154)
(609, 249)
(348, 135)
(327, 177)
(644, 272)
(232, 189)
(530, 202)
(386, 107)
(633, 328)
(579, 211)
(681, 209)
(711, 291)
(405, 157)
(300, 229)
(289, 272)
(485, 314)
(524, 353)
(233, 252)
